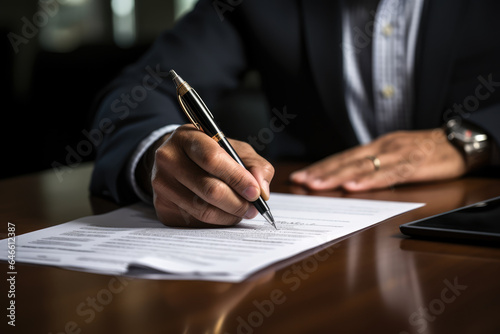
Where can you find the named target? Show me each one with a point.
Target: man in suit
(377, 92)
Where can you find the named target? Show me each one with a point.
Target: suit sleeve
(205, 50)
(488, 119)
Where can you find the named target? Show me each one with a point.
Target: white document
(131, 241)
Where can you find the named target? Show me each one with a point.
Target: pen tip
(175, 78)
(270, 219)
(172, 74)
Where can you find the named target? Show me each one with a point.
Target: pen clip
(187, 112)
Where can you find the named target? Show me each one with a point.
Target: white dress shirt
(391, 36)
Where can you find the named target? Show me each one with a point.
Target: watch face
(465, 134)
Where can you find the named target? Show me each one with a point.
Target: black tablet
(479, 221)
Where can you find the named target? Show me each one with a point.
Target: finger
(395, 170)
(390, 175)
(407, 172)
(345, 173)
(418, 166)
(259, 167)
(263, 172)
(263, 175)
(176, 205)
(324, 167)
(214, 191)
(207, 154)
(356, 169)
(371, 181)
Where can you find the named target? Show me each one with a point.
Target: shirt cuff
(136, 156)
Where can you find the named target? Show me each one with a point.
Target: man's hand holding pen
(200, 116)
(195, 182)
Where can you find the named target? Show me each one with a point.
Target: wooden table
(374, 281)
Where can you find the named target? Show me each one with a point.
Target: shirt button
(387, 30)
(388, 91)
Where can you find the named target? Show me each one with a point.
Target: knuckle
(213, 191)
(161, 192)
(189, 141)
(207, 215)
(179, 135)
(268, 170)
(364, 164)
(237, 179)
(157, 186)
(160, 153)
(211, 215)
(396, 137)
(162, 199)
(212, 160)
(241, 210)
(163, 156)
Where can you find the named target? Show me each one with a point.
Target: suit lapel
(323, 41)
(437, 40)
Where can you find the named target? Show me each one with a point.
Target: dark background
(48, 84)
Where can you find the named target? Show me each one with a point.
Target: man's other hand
(403, 157)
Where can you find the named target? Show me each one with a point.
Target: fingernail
(316, 182)
(351, 185)
(298, 177)
(251, 193)
(251, 212)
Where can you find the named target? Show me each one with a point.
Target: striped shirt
(378, 43)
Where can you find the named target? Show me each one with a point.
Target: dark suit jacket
(297, 48)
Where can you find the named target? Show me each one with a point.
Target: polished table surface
(374, 281)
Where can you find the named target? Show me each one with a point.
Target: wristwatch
(471, 141)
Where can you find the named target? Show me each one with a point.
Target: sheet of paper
(131, 239)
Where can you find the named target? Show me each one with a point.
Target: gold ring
(375, 160)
